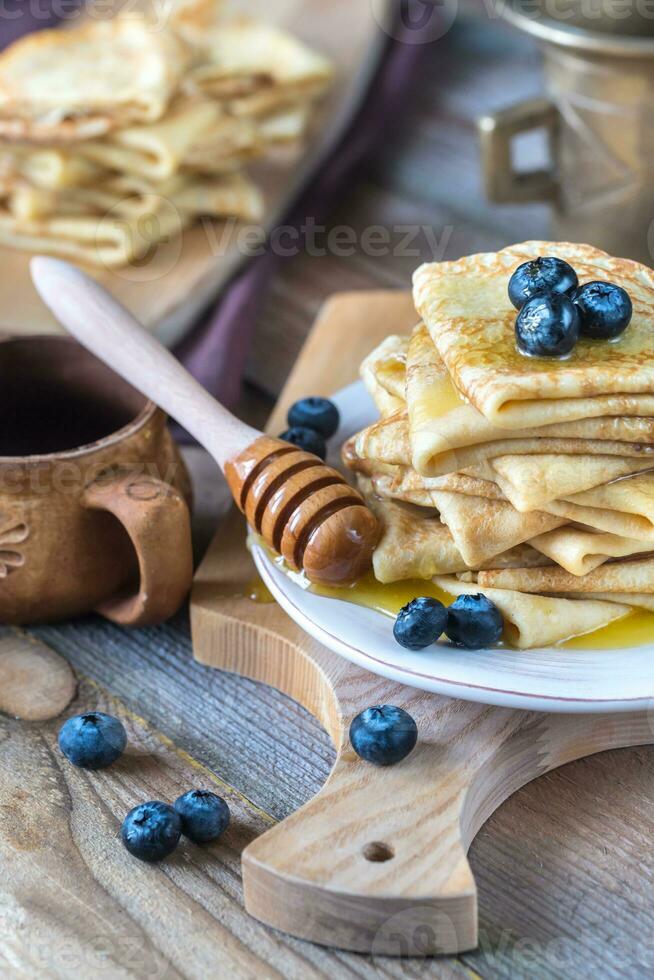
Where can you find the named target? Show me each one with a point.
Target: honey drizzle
(636, 629)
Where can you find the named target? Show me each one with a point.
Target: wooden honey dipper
(303, 509)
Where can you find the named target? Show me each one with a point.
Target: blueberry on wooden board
(420, 623)
(383, 734)
(204, 815)
(307, 439)
(315, 413)
(545, 274)
(473, 621)
(93, 740)
(151, 831)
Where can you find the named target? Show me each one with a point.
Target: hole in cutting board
(377, 851)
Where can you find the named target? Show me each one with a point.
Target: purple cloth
(216, 349)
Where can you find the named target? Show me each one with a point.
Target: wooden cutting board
(179, 279)
(376, 862)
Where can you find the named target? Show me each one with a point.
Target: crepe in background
(257, 67)
(471, 321)
(81, 83)
(579, 551)
(530, 482)
(620, 576)
(124, 220)
(539, 621)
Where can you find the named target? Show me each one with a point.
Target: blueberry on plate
(473, 621)
(420, 623)
(545, 274)
(151, 831)
(547, 326)
(307, 439)
(605, 309)
(383, 735)
(315, 413)
(93, 740)
(204, 815)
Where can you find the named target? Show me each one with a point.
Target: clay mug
(93, 492)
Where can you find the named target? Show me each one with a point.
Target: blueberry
(545, 274)
(307, 439)
(315, 413)
(383, 734)
(93, 740)
(151, 831)
(204, 815)
(604, 309)
(547, 326)
(420, 623)
(474, 621)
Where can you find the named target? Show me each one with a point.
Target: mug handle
(497, 131)
(156, 519)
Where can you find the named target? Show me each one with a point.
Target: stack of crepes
(116, 134)
(527, 479)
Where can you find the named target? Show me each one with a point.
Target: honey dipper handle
(110, 332)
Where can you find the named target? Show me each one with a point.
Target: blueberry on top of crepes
(471, 321)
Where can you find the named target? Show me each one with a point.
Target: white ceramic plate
(549, 679)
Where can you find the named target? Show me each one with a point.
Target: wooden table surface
(564, 868)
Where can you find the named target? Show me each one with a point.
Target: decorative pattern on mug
(11, 533)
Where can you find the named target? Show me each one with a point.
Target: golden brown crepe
(625, 508)
(579, 551)
(530, 482)
(620, 576)
(470, 319)
(257, 67)
(538, 621)
(483, 528)
(122, 221)
(415, 544)
(388, 441)
(63, 85)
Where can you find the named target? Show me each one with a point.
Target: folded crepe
(579, 551)
(619, 576)
(382, 372)
(539, 621)
(415, 545)
(471, 321)
(194, 135)
(122, 221)
(59, 86)
(256, 67)
(388, 441)
(483, 528)
(530, 482)
(625, 508)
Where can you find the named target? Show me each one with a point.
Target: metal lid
(622, 28)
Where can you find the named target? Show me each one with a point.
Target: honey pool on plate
(633, 630)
